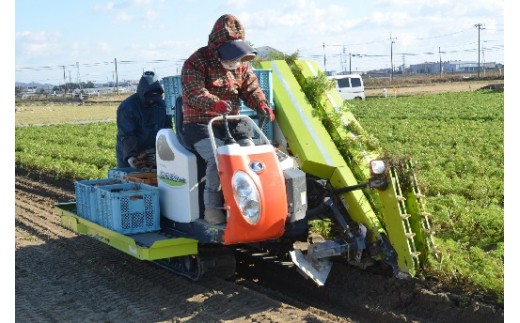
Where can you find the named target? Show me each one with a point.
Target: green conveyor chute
(318, 155)
(312, 144)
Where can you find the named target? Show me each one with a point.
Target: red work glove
(223, 106)
(267, 111)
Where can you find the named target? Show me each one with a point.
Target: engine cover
(296, 188)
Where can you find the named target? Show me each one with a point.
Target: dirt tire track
(62, 276)
(65, 277)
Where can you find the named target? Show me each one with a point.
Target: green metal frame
(311, 143)
(160, 249)
(393, 208)
(403, 217)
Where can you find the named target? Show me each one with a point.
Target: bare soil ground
(422, 89)
(61, 276)
(65, 277)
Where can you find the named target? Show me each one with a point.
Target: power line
(104, 69)
(444, 35)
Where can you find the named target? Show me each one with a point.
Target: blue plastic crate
(86, 198)
(129, 208)
(267, 129)
(172, 89)
(119, 173)
(265, 80)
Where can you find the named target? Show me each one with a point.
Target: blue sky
(86, 36)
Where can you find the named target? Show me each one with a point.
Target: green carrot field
(457, 142)
(455, 139)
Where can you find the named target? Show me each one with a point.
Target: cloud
(138, 10)
(123, 17)
(238, 4)
(79, 50)
(390, 19)
(449, 8)
(36, 43)
(147, 3)
(152, 14)
(104, 47)
(142, 2)
(109, 6)
(41, 36)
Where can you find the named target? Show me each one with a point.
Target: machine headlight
(377, 167)
(246, 196)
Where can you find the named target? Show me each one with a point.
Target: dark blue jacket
(138, 122)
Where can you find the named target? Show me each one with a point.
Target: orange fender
(269, 181)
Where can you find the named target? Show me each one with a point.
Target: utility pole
(392, 58)
(350, 63)
(64, 79)
(479, 27)
(78, 78)
(324, 59)
(344, 60)
(117, 77)
(440, 63)
(483, 63)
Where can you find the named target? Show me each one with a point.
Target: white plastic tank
(176, 178)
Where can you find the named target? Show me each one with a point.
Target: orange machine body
(261, 164)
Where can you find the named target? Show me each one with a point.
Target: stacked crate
(127, 201)
(86, 198)
(129, 208)
(172, 89)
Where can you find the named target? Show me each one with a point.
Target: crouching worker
(214, 80)
(139, 118)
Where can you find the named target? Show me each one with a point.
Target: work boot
(214, 216)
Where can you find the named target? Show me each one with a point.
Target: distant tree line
(67, 87)
(74, 86)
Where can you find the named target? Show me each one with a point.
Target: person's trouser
(212, 192)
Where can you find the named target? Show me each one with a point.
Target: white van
(349, 86)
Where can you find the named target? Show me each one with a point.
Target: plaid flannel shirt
(205, 81)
